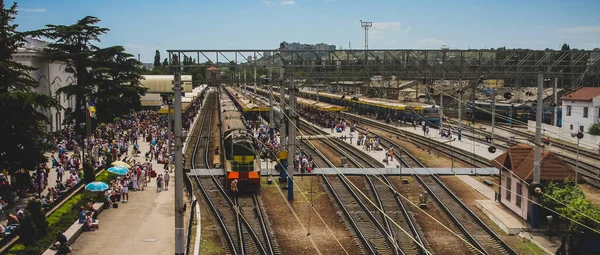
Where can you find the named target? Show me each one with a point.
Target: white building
(51, 76)
(581, 108)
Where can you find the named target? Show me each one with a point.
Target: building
(164, 83)
(148, 66)
(516, 173)
(581, 108)
(213, 76)
(52, 75)
(304, 46)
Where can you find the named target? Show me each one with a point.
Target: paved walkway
(554, 149)
(144, 225)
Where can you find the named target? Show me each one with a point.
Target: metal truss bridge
(518, 66)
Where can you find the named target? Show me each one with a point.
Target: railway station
(302, 148)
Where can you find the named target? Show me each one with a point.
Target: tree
(109, 77)
(165, 63)
(21, 129)
(117, 77)
(157, 59)
(565, 47)
(594, 129)
(573, 205)
(74, 46)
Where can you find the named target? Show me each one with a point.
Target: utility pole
(493, 116)
(292, 138)
(271, 124)
(554, 108)
(179, 206)
(460, 98)
(282, 129)
(538, 144)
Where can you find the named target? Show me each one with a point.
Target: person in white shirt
(60, 171)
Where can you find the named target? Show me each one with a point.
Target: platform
(465, 144)
(366, 171)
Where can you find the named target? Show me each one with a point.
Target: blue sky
(144, 26)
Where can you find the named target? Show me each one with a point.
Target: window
(571, 126)
(585, 112)
(568, 110)
(519, 194)
(508, 188)
(581, 128)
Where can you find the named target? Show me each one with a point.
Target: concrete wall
(589, 141)
(511, 205)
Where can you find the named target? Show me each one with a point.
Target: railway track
(471, 227)
(589, 171)
(388, 237)
(479, 235)
(425, 143)
(241, 219)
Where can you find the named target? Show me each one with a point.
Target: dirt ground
(429, 159)
(210, 240)
(469, 196)
(291, 236)
(327, 151)
(438, 238)
(591, 193)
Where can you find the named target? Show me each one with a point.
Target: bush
(594, 129)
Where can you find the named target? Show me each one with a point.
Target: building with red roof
(581, 108)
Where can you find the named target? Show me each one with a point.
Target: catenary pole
(538, 150)
(292, 138)
(179, 207)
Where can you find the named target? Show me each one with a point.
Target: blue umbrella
(120, 170)
(96, 186)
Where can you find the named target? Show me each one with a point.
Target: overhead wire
(383, 212)
(304, 228)
(526, 183)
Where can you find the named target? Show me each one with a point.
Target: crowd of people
(118, 140)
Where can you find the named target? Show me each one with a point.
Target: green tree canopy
(573, 205)
(110, 77)
(117, 77)
(21, 130)
(74, 46)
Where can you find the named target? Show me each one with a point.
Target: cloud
(579, 30)
(430, 43)
(134, 46)
(267, 2)
(331, 0)
(394, 25)
(591, 45)
(289, 2)
(33, 10)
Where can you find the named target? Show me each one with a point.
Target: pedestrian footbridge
(367, 171)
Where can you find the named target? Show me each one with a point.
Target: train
(518, 113)
(240, 160)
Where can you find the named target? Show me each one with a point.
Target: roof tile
(582, 94)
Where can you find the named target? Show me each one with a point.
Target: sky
(143, 27)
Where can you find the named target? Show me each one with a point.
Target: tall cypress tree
(157, 59)
(21, 129)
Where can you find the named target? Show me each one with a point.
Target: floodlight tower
(366, 25)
